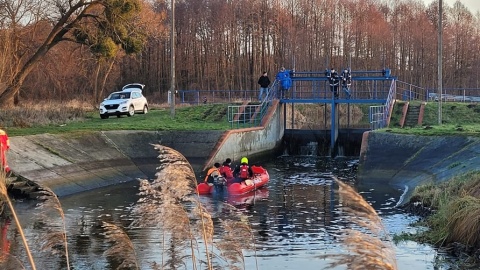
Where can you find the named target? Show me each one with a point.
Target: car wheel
(145, 109)
(103, 116)
(131, 111)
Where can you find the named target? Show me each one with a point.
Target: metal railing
(251, 115)
(198, 97)
(408, 92)
(455, 95)
(379, 115)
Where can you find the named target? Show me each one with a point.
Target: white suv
(125, 102)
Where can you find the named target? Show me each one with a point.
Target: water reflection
(295, 219)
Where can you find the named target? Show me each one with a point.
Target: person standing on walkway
(346, 82)
(4, 146)
(283, 76)
(334, 81)
(264, 82)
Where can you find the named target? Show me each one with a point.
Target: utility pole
(172, 59)
(440, 60)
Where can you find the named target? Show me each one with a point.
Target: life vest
(212, 174)
(4, 141)
(226, 171)
(244, 172)
(4, 146)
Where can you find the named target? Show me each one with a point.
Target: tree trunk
(104, 81)
(8, 96)
(95, 82)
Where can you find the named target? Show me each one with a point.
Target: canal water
(295, 219)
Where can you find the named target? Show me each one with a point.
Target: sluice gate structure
(335, 94)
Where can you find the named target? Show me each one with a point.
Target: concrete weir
(73, 163)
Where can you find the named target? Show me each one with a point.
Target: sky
(472, 5)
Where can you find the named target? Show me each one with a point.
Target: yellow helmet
(244, 160)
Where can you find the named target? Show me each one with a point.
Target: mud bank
(406, 161)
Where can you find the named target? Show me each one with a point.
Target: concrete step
(20, 188)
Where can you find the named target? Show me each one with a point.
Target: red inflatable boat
(249, 198)
(259, 179)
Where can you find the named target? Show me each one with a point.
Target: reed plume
(56, 236)
(164, 203)
(237, 236)
(6, 198)
(172, 202)
(369, 249)
(122, 247)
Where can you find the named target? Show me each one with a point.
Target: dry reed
(236, 237)
(171, 202)
(463, 222)
(6, 198)
(56, 236)
(122, 247)
(164, 203)
(370, 249)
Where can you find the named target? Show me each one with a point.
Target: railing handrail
(379, 115)
(237, 114)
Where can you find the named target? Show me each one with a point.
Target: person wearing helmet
(243, 172)
(4, 146)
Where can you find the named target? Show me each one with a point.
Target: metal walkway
(351, 87)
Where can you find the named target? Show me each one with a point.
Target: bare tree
(75, 21)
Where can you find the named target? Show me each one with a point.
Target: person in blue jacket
(283, 76)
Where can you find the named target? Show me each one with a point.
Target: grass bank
(29, 119)
(452, 210)
(458, 118)
(53, 119)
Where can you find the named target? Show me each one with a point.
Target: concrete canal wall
(72, 163)
(406, 161)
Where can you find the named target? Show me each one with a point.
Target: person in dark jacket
(346, 82)
(264, 82)
(334, 80)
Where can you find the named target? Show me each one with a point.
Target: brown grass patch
(463, 223)
(318, 116)
(45, 113)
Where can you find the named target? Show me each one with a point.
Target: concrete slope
(70, 164)
(408, 160)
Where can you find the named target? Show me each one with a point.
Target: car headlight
(101, 104)
(124, 102)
